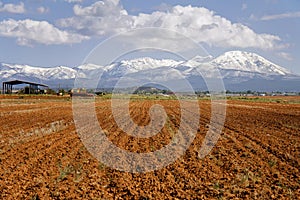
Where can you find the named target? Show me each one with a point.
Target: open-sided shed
(8, 86)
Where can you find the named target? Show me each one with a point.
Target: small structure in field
(33, 88)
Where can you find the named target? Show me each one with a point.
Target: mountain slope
(239, 70)
(248, 62)
(13, 71)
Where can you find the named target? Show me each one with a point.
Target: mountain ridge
(236, 68)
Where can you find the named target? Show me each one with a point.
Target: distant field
(272, 99)
(257, 156)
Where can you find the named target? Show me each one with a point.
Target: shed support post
(5, 88)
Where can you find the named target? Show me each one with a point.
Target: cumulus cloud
(163, 7)
(281, 16)
(12, 8)
(29, 32)
(203, 25)
(100, 9)
(200, 24)
(101, 18)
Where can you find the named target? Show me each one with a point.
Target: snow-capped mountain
(15, 71)
(239, 70)
(248, 62)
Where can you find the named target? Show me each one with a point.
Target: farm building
(32, 88)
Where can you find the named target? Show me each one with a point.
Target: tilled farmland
(257, 155)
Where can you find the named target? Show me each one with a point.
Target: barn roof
(18, 82)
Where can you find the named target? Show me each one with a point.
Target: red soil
(256, 157)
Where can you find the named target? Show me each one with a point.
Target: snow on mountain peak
(250, 62)
(148, 63)
(88, 67)
(238, 65)
(139, 64)
(16, 71)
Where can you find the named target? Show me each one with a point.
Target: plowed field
(256, 157)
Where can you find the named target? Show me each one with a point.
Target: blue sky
(62, 32)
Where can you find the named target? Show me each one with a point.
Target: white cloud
(285, 56)
(163, 7)
(202, 25)
(12, 8)
(101, 18)
(42, 10)
(100, 9)
(29, 32)
(281, 16)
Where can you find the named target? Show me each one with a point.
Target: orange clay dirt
(256, 157)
